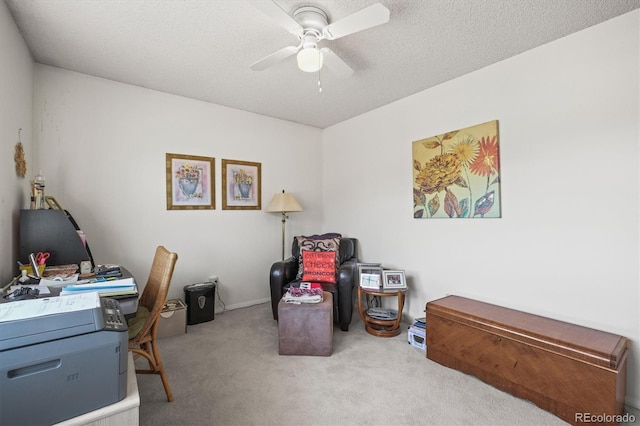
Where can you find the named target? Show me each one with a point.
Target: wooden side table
(378, 327)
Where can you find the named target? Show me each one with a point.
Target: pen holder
(30, 271)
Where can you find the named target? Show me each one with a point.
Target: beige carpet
(228, 372)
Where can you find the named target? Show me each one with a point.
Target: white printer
(60, 357)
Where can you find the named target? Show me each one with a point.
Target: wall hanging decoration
(190, 182)
(241, 185)
(18, 156)
(457, 174)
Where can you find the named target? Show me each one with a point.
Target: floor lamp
(283, 203)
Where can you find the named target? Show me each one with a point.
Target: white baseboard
(243, 305)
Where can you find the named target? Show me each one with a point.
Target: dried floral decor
(18, 157)
(21, 164)
(457, 174)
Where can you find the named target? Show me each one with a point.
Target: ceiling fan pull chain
(319, 85)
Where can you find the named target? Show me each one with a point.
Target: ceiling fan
(311, 25)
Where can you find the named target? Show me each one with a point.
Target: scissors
(41, 257)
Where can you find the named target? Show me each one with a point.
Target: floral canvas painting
(241, 185)
(190, 182)
(457, 174)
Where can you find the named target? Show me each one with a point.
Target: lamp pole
(284, 219)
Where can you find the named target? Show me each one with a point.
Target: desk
(124, 412)
(128, 304)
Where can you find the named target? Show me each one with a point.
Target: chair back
(155, 291)
(347, 249)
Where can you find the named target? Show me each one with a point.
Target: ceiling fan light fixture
(311, 25)
(310, 59)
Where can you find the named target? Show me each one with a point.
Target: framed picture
(190, 182)
(241, 185)
(456, 175)
(370, 277)
(393, 279)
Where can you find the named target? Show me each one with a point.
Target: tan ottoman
(307, 328)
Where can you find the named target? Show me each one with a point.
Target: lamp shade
(283, 202)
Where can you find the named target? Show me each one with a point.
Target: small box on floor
(417, 337)
(173, 319)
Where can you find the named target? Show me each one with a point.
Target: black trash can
(200, 299)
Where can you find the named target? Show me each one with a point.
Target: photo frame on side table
(393, 280)
(190, 182)
(241, 185)
(370, 277)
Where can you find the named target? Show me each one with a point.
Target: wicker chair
(144, 326)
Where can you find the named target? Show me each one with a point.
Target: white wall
(103, 148)
(567, 243)
(16, 79)
(566, 246)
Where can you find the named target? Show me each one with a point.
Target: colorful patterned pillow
(319, 266)
(315, 244)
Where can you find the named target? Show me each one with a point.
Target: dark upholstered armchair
(283, 275)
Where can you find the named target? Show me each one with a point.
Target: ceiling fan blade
(274, 58)
(368, 17)
(276, 13)
(335, 64)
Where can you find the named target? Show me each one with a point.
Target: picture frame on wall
(456, 175)
(393, 280)
(370, 277)
(190, 182)
(241, 185)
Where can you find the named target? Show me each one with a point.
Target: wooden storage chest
(574, 372)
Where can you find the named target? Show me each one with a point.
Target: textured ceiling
(202, 49)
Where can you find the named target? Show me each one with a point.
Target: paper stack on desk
(105, 287)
